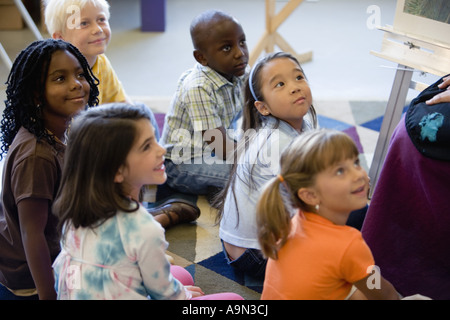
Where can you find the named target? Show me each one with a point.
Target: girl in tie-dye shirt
(112, 248)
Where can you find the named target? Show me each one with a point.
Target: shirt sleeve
(34, 177)
(150, 251)
(357, 261)
(110, 86)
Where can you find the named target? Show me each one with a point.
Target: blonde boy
(85, 24)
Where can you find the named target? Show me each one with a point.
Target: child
(49, 82)
(207, 99)
(85, 24)
(278, 107)
(315, 255)
(111, 247)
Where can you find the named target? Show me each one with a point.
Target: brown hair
(309, 154)
(98, 144)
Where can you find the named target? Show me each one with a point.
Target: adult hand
(443, 96)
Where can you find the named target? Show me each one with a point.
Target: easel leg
(5, 57)
(392, 116)
(29, 21)
(271, 37)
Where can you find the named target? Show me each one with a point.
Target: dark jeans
(250, 262)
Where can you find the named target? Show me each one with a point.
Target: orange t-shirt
(320, 261)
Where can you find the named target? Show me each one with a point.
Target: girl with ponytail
(315, 255)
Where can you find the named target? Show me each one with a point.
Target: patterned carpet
(197, 246)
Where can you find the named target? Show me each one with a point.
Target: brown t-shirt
(32, 169)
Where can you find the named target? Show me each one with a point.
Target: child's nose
(162, 150)
(97, 28)
(76, 83)
(359, 173)
(295, 87)
(239, 52)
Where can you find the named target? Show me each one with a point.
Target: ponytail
(273, 218)
(308, 155)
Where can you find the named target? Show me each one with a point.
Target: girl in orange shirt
(315, 255)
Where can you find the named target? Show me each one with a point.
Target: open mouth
(160, 167)
(360, 190)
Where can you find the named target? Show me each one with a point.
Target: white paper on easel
(420, 36)
(428, 20)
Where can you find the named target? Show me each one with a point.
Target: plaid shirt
(204, 100)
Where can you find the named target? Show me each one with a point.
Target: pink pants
(186, 279)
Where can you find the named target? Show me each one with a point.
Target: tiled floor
(350, 87)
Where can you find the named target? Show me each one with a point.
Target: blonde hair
(309, 154)
(58, 11)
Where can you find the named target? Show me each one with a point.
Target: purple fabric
(353, 133)
(407, 225)
(160, 121)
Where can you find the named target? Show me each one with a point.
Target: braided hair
(25, 92)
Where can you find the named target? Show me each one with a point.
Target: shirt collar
(217, 78)
(272, 122)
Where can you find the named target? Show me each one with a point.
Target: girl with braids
(277, 108)
(50, 81)
(315, 255)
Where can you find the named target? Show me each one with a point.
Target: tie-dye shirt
(122, 258)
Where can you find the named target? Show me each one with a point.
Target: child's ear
(119, 177)
(308, 196)
(262, 108)
(57, 35)
(198, 55)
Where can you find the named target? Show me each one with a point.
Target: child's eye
(146, 147)
(279, 84)
(299, 77)
(226, 48)
(357, 163)
(59, 79)
(340, 171)
(243, 43)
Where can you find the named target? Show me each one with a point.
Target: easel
(29, 21)
(410, 53)
(271, 37)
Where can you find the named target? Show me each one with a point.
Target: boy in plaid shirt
(208, 99)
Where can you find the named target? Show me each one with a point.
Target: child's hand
(195, 291)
